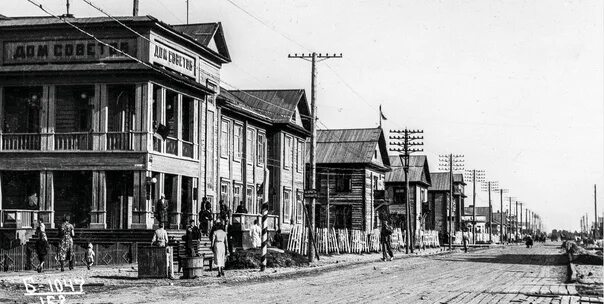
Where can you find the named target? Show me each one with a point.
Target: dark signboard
(53, 51)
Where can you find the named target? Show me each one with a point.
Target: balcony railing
(120, 141)
(18, 218)
(73, 141)
(20, 141)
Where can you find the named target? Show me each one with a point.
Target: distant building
(438, 200)
(351, 168)
(419, 182)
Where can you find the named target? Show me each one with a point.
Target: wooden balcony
(18, 218)
(20, 141)
(74, 141)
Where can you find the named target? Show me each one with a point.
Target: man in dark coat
(205, 215)
(161, 210)
(385, 234)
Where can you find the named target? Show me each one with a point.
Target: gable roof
(204, 34)
(419, 171)
(351, 146)
(278, 105)
(440, 181)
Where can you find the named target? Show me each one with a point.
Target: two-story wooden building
(351, 168)
(97, 128)
(281, 129)
(419, 182)
(438, 202)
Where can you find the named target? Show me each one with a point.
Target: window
(21, 110)
(210, 150)
(287, 153)
(237, 142)
(343, 217)
(171, 120)
(249, 200)
(211, 86)
(224, 138)
(187, 127)
(259, 196)
(299, 156)
(375, 182)
(249, 147)
(224, 191)
(236, 196)
(287, 205)
(343, 182)
(299, 207)
(261, 149)
(73, 110)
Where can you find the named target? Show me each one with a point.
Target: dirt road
(498, 275)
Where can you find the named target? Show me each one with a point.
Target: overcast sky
(515, 86)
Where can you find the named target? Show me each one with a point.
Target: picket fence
(330, 241)
(482, 238)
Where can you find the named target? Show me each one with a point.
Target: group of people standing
(65, 252)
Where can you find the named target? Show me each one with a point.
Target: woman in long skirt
(41, 246)
(66, 246)
(219, 246)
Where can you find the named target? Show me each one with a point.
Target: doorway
(119, 199)
(73, 196)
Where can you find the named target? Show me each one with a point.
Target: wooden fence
(481, 238)
(24, 257)
(329, 241)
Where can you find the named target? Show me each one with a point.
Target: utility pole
(516, 220)
(328, 203)
(451, 161)
(509, 222)
(596, 227)
(405, 147)
(313, 139)
(135, 8)
(475, 176)
(187, 11)
(491, 185)
(501, 224)
(521, 223)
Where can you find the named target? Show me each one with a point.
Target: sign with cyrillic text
(172, 58)
(53, 51)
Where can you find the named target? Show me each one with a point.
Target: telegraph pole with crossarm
(409, 140)
(313, 57)
(454, 162)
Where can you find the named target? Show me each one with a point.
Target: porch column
(98, 210)
(179, 125)
(142, 124)
(99, 117)
(1, 126)
(176, 202)
(46, 199)
(1, 215)
(142, 212)
(47, 118)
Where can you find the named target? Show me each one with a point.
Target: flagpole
(380, 114)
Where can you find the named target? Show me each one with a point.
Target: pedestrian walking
(41, 245)
(255, 232)
(385, 234)
(89, 256)
(189, 237)
(225, 213)
(219, 247)
(161, 210)
(465, 239)
(66, 233)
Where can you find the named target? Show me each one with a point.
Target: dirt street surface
(511, 274)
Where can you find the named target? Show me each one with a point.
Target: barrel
(193, 267)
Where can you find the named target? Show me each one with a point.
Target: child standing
(89, 255)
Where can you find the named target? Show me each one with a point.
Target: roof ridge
(338, 129)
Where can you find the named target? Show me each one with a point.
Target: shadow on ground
(521, 259)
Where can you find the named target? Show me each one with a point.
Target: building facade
(419, 182)
(99, 130)
(438, 201)
(351, 168)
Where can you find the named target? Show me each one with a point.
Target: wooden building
(419, 182)
(438, 202)
(283, 142)
(98, 131)
(351, 168)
